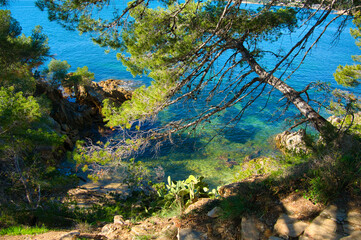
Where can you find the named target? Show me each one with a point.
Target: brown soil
(52, 235)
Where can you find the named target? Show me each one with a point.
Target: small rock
(249, 229)
(190, 234)
(108, 228)
(288, 226)
(201, 203)
(118, 219)
(70, 236)
(215, 212)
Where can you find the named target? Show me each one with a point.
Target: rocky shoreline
(82, 118)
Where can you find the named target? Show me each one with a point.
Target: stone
(335, 213)
(354, 218)
(289, 227)
(321, 228)
(70, 236)
(190, 234)
(354, 236)
(352, 222)
(249, 229)
(292, 142)
(348, 228)
(108, 228)
(200, 204)
(118, 219)
(215, 212)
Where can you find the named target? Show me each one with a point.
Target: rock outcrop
(294, 142)
(94, 94)
(83, 117)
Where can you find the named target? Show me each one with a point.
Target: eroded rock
(292, 142)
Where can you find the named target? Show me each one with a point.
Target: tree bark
(325, 128)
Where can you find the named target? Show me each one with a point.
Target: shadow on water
(217, 159)
(241, 135)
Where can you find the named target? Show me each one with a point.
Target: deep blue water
(195, 155)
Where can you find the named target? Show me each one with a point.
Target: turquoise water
(216, 160)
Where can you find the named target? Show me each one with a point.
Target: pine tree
(178, 45)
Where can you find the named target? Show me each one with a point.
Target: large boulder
(293, 142)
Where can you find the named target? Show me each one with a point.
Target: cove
(197, 154)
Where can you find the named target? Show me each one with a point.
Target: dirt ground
(52, 235)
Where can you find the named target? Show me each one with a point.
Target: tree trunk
(325, 128)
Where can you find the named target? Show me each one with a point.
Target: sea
(213, 152)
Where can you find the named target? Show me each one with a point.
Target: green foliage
(273, 167)
(258, 166)
(23, 131)
(235, 206)
(56, 72)
(16, 111)
(345, 103)
(183, 192)
(81, 76)
(19, 54)
(21, 230)
(145, 103)
(350, 75)
(166, 55)
(16, 48)
(336, 176)
(138, 175)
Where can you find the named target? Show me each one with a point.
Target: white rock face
(292, 142)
